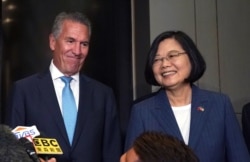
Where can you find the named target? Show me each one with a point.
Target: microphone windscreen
(6, 136)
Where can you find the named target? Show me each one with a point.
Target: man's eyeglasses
(171, 56)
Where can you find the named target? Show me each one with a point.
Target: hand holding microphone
(49, 160)
(40, 149)
(32, 153)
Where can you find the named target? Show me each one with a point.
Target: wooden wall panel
(234, 50)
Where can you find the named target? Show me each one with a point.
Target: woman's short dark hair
(198, 64)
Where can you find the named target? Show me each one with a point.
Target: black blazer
(246, 124)
(97, 138)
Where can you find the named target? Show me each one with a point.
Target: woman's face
(171, 64)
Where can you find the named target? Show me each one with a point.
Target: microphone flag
(47, 146)
(27, 132)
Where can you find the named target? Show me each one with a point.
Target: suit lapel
(49, 97)
(199, 113)
(164, 113)
(84, 107)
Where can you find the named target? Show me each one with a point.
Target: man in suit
(38, 99)
(246, 124)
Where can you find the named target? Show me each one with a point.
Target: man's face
(71, 47)
(130, 156)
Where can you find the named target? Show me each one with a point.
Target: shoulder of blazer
(145, 98)
(32, 78)
(92, 83)
(206, 94)
(151, 101)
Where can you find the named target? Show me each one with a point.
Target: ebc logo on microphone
(47, 146)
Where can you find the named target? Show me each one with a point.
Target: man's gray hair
(73, 16)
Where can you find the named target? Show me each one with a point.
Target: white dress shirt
(183, 117)
(59, 84)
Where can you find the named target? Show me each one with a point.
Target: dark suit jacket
(246, 124)
(215, 134)
(97, 135)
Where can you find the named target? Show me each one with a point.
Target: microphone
(36, 142)
(29, 149)
(46, 147)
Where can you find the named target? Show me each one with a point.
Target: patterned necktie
(68, 108)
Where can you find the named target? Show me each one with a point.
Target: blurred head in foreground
(158, 147)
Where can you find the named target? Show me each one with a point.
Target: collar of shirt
(58, 84)
(56, 73)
